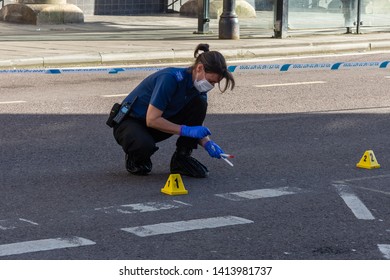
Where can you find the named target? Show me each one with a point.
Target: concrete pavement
(145, 40)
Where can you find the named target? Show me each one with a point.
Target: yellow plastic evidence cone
(368, 161)
(174, 185)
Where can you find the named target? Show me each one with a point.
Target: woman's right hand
(198, 132)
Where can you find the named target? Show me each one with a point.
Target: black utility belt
(119, 112)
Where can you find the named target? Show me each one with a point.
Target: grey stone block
(42, 13)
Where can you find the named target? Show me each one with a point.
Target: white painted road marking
(115, 95)
(291, 84)
(42, 245)
(12, 102)
(173, 227)
(15, 223)
(346, 181)
(385, 250)
(143, 207)
(259, 193)
(362, 179)
(354, 203)
(372, 190)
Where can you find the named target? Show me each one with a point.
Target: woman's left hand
(213, 149)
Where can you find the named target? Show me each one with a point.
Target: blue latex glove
(213, 149)
(198, 132)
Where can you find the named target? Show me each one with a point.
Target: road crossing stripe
(142, 207)
(372, 190)
(291, 84)
(42, 245)
(385, 250)
(12, 102)
(15, 223)
(354, 203)
(259, 193)
(181, 226)
(115, 95)
(362, 179)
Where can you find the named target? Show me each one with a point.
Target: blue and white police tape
(308, 66)
(233, 68)
(80, 70)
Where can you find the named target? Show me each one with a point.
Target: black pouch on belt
(119, 112)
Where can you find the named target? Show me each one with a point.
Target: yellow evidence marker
(368, 160)
(174, 185)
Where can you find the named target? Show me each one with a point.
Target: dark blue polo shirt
(169, 90)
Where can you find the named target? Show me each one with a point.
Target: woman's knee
(144, 145)
(135, 139)
(195, 111)
(200, 103)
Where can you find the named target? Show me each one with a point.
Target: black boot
(138, 168)
(183, 163)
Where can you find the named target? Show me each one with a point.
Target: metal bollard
(229, 27)
(203, 17)
(281, 19)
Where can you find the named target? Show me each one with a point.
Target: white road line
(42, 245)
(362, 179)
(142, 207)
(15, 223)
(115, 95)
(354, 203)
(385, 250)
(12, 102)
(5, 228)
(372, 190)
(28, 221)
(291, 84)
(259, 193)
(173, 227)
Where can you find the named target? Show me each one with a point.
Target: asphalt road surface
(294, 192)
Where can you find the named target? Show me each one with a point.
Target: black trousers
(139, 141)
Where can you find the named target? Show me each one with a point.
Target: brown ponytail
(213, 62)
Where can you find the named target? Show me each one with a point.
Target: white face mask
(203, 85)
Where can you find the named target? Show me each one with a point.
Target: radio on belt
(122, 113)
(119, 112)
